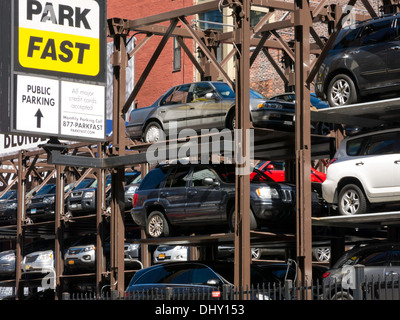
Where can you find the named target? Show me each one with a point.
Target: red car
(276, 171)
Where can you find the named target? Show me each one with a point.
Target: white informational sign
(82, 109)
(37, 104)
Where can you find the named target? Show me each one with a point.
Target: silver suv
(364, 171)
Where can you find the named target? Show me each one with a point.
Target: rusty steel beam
(169, 15)
(59, 212)
(149, 66)
(242, 147)
(303, 23)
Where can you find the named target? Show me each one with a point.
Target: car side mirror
(210, 182)
(211, 96)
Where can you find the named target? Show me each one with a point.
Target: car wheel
(342, 91)
(255, 253)
(232, 217)
(342, 296)
(352, 200)
(323, 128)
(231, 121)
(322, 254)
(157, 226)
(153, 132)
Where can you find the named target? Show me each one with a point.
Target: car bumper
(134, 131)
(7, 267)
(81, 205)
(329, 190)
(275, 211)
(8, 216)
(267, 117)
(41, 211)
(139, 216)
(37, 266)
(86, 260)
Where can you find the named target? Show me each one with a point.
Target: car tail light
(216, 294)
(134, 200)
(326, 275)
(330, 162)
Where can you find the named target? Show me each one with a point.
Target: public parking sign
(53, 68)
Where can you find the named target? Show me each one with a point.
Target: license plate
(33, 210)
(161, 256)
(27, 267)
(71, 261)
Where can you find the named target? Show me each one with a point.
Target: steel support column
(117, 175)
(59, 211)
(242, 151)
(302, 24)
(20, 213)
(100, 263)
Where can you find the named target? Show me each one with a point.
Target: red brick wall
(161, 77)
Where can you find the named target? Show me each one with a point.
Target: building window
(177, 55)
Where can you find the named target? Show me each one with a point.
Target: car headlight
(267, 193)
(48, 199)
(88, 194)
(271, 105)
(133, 246)
(132, 189)
(12, 205)
(89, 248)
(45, 256)
(9, 257)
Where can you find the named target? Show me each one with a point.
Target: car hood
(39, 252)
(5, 253)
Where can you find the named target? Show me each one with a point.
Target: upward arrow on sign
(39, 117)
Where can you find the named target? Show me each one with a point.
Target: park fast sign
(53, 68)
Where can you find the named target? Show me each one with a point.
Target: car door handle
(396, 161)
(395, 48)
(392, 273)
(164, 194)
(192, 192)
(191, 108)
(359, 163)
(354, 52)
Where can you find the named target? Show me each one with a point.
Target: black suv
(364, 60)
(198, 195)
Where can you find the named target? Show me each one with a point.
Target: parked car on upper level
(381, 263)
(190, 197)
(199, 105)
(290, 97)
(83, 200)
(42, 205)
(364, 171)
(364, 60)
(276, 171)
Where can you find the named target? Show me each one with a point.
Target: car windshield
(224, 90)
(8, 195)
(47, 189)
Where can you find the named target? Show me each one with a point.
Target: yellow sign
(59, 35)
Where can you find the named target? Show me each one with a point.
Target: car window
(178, 274)
(177, 96)
(256, 94)
(353, 147)
(381, 144)
(200, 91)
(177, 178)
(199, 174)
(226, 172)
(224, 90)
(347, 38)
(376, 32)
(153, 179)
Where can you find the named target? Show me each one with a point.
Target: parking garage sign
(57, 80)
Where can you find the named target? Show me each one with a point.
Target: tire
(153, 132)
(342, 91)
(231, 120)
(231, 220)
(323, 128)
(322, 254)
(156, 225)
(352, 200)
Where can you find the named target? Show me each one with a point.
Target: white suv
(365, 170)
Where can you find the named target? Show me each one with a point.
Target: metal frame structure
(301, 147)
